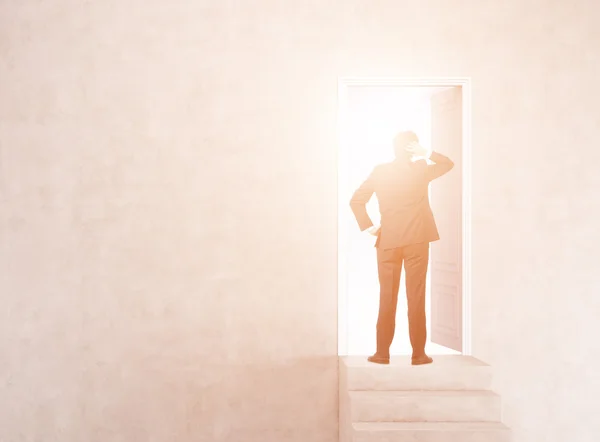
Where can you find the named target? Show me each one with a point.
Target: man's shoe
(378, 359)
(422, 360)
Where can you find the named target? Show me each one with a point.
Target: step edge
(432, 426)
(424, 393)
(356, 361)
(412, 385)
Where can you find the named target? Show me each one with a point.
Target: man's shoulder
(381, 170)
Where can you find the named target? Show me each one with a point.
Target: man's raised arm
(442, 164)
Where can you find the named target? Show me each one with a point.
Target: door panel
(446, 202)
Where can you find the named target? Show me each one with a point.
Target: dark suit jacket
(402, 193)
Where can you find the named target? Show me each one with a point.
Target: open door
(446, 202)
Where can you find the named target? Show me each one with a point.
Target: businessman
(407, 227)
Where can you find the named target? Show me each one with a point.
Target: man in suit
(407, 228)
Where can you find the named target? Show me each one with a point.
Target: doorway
(371, 112)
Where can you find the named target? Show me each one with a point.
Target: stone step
(448, 372)
(430, 432)
(424, 406)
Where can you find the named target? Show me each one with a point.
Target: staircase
(447, 401)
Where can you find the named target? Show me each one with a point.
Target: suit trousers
(389, 263)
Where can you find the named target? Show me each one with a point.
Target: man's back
(402, 192)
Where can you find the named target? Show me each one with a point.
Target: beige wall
(168, 210)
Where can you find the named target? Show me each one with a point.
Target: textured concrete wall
(168, 210)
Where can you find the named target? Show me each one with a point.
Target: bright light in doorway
(371, 117)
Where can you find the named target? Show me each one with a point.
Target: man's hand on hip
(374, 230)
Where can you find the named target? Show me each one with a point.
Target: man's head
(401, 142)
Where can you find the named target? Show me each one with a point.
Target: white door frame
(465, 83)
